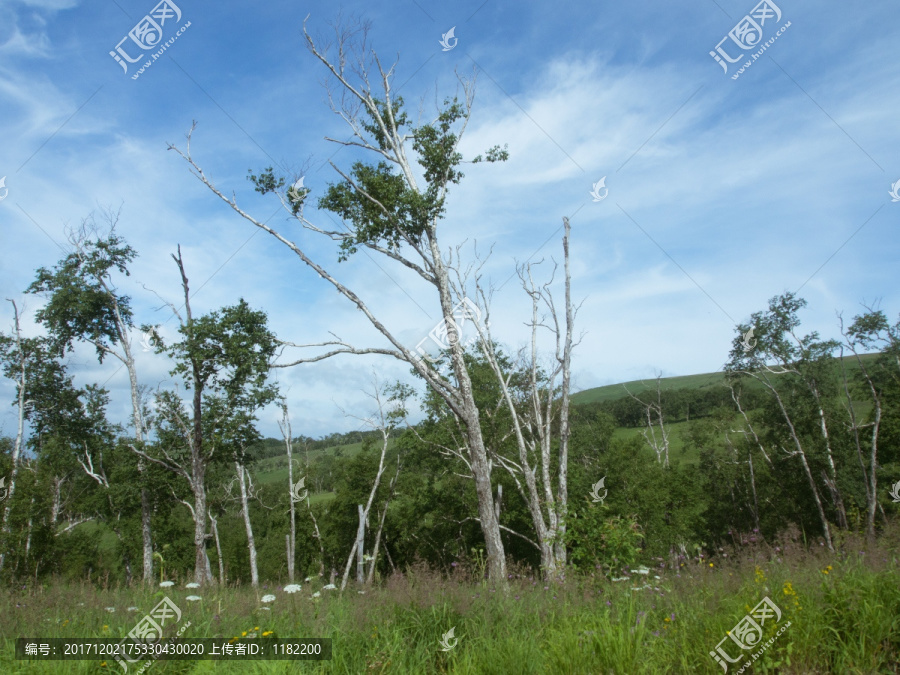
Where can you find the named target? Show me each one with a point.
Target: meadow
(840, 614)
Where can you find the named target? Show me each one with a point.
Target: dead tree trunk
(214, 526)
(285, 425)
(248, 526)
(654, 414)
(21, 383)
(360, 539)
(533, 427)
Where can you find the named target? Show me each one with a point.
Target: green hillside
(611, 392)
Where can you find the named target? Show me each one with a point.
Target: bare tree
(654, 414)
(284, 424)
(546, 405)
(395, 217)
(245, 482)
(384, 422)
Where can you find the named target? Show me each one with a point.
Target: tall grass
(844, 611)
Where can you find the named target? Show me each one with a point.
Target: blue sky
(722, 192)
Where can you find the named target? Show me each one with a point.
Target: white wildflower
(193, 598)
(329, 587)
(110, 609)
(268, 598)
(292, 588)
(166, 584)
(193, 584)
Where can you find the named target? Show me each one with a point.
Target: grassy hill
(611, 392)
(274, 469)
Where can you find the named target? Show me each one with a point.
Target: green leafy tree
(223, 359)
(84, 305)
(878, 380)
(794, 370)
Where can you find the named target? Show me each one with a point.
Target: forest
(483, 516)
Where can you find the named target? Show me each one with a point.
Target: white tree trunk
(21, 383)
(285, 426)
(533, 428)
(245, 510)
(360, 547)
(215, 532)
(799, 450)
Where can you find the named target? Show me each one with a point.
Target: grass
(843, 609)
(611, 392)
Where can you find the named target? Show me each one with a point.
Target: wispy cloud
(749, 186)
